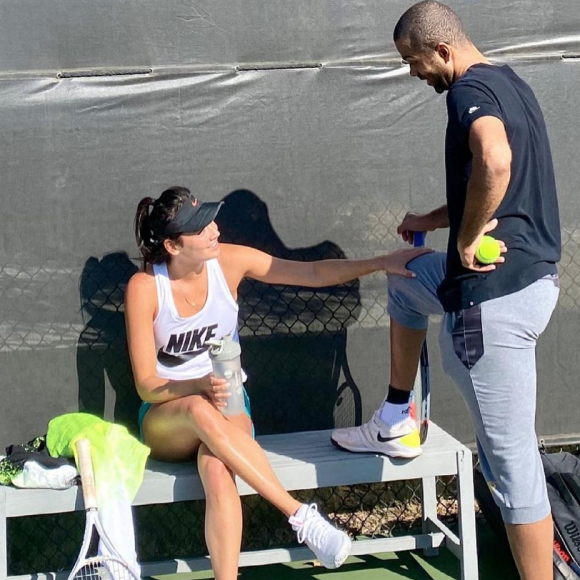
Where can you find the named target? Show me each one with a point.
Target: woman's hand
(396, 262)
(215, 390)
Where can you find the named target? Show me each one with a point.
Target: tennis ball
(488, 250)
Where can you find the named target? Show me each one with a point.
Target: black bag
(563, 481)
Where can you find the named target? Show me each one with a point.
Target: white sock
(392, 414)
(301, 511)
(299, 516)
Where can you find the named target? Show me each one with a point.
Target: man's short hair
(428, 23)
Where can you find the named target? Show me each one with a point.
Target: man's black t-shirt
(528, 215)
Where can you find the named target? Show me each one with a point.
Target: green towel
(118, 457)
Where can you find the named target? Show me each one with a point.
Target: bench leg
(466, 499)
(3, 536)
(429, 508)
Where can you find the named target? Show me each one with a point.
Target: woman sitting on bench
(188, 288)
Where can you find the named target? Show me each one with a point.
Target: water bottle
(225, 361)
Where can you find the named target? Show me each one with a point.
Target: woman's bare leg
(174, 431)
(223, 515)
(223, 509)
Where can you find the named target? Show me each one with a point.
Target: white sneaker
(376, 436)
(330, 545)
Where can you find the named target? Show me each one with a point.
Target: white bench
(301, 461)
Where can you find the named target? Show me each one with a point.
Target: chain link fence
(294, 347)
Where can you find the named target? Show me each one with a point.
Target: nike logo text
(185, 346)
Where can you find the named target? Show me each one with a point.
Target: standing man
(499, 176)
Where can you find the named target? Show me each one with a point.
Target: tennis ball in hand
(488, 250)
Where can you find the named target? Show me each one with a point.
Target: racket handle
(422, 413)
(83, 447)
(419, 239)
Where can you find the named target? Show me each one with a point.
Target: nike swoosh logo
(382, 439)
(174, 360)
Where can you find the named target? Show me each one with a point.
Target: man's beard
(440, 86)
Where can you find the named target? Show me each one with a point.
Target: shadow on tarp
(102, 353)
(293, 338)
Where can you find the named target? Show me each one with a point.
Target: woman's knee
(207, 421)
(216, 476)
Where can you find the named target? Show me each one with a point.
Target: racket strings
(99, 568)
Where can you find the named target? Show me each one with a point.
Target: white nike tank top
(179, 342)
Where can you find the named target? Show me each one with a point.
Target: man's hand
(422, 222)
(467, 253)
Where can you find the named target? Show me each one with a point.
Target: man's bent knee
(412, 300)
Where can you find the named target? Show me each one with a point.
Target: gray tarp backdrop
(298, 114)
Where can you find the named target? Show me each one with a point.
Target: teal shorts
(146, 406)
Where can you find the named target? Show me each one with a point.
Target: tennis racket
(421, 400)
(96, 567)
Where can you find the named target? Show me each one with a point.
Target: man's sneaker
(331, 546)
(376, 436)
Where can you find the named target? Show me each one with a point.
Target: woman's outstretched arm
(258, 265)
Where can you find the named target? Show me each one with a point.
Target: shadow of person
(293, 338)
(102, 353)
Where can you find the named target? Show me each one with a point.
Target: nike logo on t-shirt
(183, 347)
(174, 360)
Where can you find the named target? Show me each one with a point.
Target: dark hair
(428, 23)
(149, 223)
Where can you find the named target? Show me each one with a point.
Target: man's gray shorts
(489, 351)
